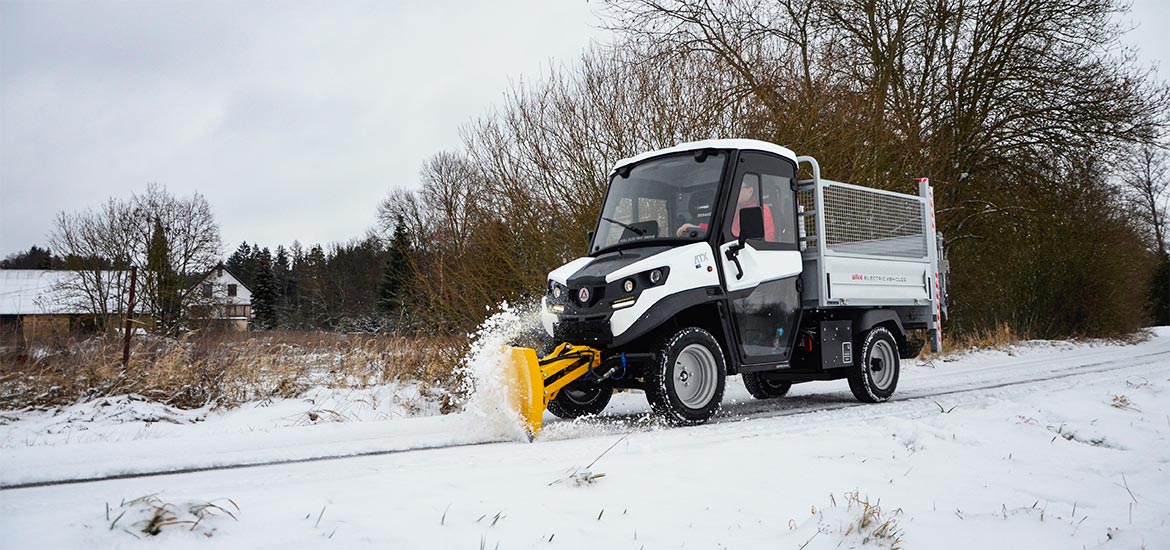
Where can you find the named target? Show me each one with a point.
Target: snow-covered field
(1044, 445)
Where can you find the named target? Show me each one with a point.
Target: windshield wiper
(638, 231)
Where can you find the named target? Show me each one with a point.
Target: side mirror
(751, 223)
(588, 242)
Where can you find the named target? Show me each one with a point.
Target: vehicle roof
(742, 144)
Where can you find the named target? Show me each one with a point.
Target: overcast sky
(293, 118)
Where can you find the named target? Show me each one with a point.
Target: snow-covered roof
(34, 292)
(748, 144)
(55, 292)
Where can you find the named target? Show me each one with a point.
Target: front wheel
(686, 385)
(874, 375)
(580, 399)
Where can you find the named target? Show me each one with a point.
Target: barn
(35, 305)
(43, 305)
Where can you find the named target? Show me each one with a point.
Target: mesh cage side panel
(863, 222)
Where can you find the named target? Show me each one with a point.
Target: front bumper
(589, 329)
(583, 331)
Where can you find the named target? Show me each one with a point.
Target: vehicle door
(762, 288)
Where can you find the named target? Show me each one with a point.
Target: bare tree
(100, 245)
(193, 242)
(1147, 180)
(96, 245)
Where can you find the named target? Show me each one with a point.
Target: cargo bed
(865, 247)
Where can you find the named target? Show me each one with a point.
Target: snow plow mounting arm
(535, 382)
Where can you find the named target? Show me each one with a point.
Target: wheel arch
(708, 316)
(887, 318)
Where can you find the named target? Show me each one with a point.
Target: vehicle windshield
(671, 197)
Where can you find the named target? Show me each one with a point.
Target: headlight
(628, 285)
(557, 291)
(624, 302)
(655, 276)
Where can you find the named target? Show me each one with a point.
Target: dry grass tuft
(999, 336)
(872, 524)
(861, 523)
(149, 515)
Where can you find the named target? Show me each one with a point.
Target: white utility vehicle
(711, 259)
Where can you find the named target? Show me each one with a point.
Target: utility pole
(129, 318)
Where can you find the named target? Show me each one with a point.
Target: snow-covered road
(1030, 435)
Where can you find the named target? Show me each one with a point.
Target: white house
(220, 300)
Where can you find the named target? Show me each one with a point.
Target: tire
(685, 386)
(874, 374)
(761, 387)
(577, 400)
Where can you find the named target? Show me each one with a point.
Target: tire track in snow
(907, 403)
(760, 409)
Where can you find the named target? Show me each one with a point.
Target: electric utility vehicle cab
(711, 259)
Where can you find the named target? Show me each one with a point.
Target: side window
(765, 181)
(776, 197)
(748, 195)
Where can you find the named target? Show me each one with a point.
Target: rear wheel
(686, 385)
(875, 371)
(580, 399)
(762, 387)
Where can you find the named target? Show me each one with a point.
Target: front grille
(581, 331)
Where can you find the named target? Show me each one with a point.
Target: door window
(766, 182)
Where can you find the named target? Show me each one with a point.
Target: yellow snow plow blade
(533, 382)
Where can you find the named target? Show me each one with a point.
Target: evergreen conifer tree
(35, 258)
(166, 300)
(282, 279)
(239, 263)
(295, 316)
(264, 293)
(392, 290)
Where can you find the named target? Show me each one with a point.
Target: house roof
(218, 266)
(38, 292)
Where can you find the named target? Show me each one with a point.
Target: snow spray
(482, 369)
